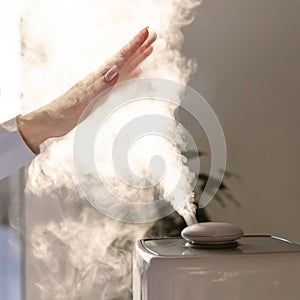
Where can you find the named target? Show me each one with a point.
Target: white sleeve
(14, 153)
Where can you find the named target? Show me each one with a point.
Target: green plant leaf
(193, 154)
(220, 200)
(204, 178)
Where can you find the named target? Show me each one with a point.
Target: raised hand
(61, 115)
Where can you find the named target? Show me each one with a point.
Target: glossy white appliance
(216, 262)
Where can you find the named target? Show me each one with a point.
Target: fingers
(133, 69)
(130, 68)
(137, 61)
(124, 55)
(150, 40)
(143, 52)
(140, 58)
(131, 48)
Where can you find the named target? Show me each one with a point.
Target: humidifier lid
(248, 244)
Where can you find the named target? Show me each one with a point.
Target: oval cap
(212, 233)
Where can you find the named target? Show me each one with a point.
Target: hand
(61, 115)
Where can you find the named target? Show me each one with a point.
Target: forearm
(61, 115)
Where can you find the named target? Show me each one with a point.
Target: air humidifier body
(258, 267)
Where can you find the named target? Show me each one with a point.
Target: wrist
(32, 129)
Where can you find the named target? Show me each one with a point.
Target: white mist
(73, 252)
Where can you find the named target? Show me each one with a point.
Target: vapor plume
(74, 252)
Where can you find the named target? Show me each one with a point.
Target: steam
(81, 253)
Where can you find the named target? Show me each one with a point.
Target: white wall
(248, 55)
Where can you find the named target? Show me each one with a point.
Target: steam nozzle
(212, 235)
